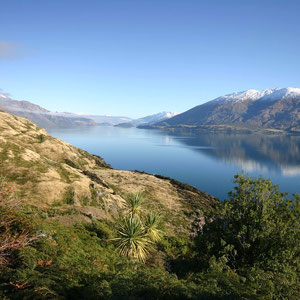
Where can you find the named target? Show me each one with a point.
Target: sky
(140, 57)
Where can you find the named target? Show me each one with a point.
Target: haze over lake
(207, 161)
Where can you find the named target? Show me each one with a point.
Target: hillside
(276, 109)
(51, 173)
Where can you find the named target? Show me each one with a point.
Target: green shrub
(41, 138)
(68, 197)
(257, 228)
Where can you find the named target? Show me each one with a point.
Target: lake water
(207, 161)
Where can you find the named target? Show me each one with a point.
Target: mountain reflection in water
(251, 152)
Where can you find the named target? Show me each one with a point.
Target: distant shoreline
(219, 129)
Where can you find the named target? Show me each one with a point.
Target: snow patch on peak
(277, 94)
(290, 92)
(161, 116)
(241, 96)
(254, 95)
(3, 96)
(168, 114)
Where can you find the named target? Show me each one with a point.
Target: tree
(134, 203)
(137, 233)
(257, 225)
(133, 240)
(255, 233)
(153, 227)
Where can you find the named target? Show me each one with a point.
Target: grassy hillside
(49, 172)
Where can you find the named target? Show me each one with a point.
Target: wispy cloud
(9, 50)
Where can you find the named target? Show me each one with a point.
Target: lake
(207, 161)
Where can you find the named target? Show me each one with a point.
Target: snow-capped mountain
(164, 115)
(277, 108)
(148, 120)
(254, 95)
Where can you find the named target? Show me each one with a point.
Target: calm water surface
(207, 161)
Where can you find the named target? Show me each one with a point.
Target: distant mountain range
(47, 119)
(148, 120)
(97, 119)
(41, 116)
(271, 109)
(275, 109)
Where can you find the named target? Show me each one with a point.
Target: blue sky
(138, 57)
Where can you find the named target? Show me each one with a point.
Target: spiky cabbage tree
(132, 240)
(134, 204)
(153, 226)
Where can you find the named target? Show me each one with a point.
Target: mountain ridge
(39, 115)
(272, 109)
(268, 94)
(48, 119)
